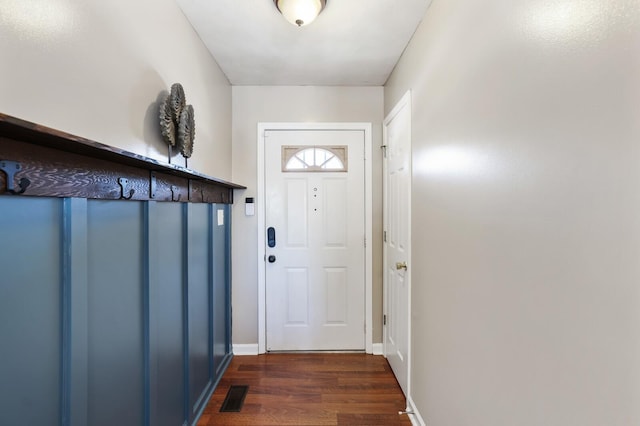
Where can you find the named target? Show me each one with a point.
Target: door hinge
(365, 242)
(384, 236)
(384, 319)
(384, 150)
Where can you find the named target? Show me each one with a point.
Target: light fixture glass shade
(300, 12)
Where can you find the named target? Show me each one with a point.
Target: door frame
(366, 128)
(404, 102)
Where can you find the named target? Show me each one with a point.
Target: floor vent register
(235, 399)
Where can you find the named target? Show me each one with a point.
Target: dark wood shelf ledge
(59, 164)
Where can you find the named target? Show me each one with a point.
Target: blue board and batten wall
(112, 312)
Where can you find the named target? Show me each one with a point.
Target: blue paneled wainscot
(112, 311)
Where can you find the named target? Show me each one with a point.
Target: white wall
(526, 183)
(96, 68)
(253, 104)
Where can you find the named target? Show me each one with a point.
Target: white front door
(397, 239)
(315, 236)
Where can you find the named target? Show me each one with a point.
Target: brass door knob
(401, 265)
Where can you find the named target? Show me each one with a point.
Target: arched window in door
(314, 158)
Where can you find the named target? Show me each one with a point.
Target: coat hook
(204, 200)
(10, 168)
(153, 182)
(174, 189)
(123, 188)
(23, 184)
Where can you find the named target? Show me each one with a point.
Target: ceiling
(351, 43)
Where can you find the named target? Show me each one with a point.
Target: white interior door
(397, 239)
(315, 240)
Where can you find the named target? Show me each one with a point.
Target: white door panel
(315, 288)
(397, 277)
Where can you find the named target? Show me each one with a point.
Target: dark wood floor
(310, 389)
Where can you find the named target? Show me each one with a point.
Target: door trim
(260, 211)
(405, 101)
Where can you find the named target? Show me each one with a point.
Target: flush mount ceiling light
(300, 12)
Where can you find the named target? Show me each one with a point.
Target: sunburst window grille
(314, 158)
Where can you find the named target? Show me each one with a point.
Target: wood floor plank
(371, 420)
(310, 389)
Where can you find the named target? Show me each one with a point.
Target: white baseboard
(415, 417)
(378, 349)
(252, 349)
(245, 349)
